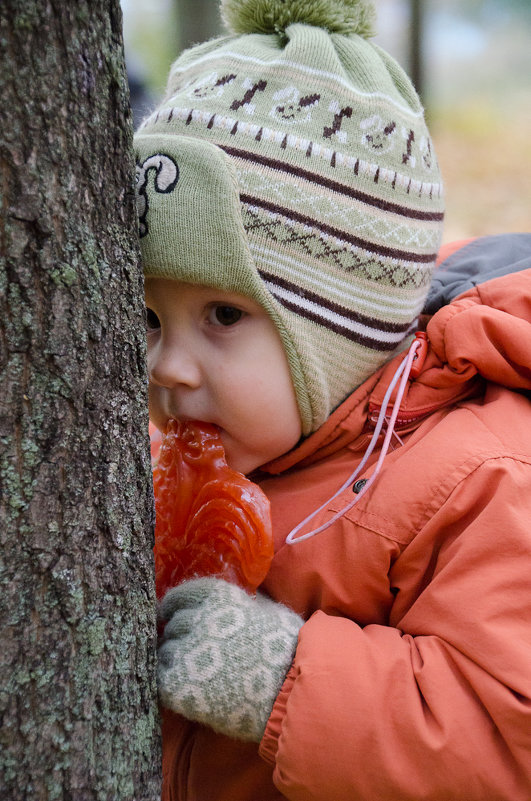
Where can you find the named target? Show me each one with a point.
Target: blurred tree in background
(470, 60)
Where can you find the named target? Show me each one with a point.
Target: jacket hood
(478, 321)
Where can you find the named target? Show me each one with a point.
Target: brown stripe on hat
(371, 247)
(336, 308)
(371, 332)
(335, 186)
(337, 328)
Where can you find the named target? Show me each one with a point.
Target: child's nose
(170, 365)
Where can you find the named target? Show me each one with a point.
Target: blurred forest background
(470, 60)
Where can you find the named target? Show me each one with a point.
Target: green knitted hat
(290, 162)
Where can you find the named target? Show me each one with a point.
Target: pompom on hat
(274, 16)
(290, 162)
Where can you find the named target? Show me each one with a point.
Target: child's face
(216, 356)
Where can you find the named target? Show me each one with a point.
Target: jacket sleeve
(436, 705)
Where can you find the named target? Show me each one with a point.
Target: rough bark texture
(77, 686)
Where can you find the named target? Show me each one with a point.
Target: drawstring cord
(404, 371)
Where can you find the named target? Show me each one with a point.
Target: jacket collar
(484, 334)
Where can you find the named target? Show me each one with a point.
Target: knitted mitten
(224, 655)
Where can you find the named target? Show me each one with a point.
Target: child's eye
(225, 315)
(152, 321)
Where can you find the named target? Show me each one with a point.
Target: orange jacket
(412, 674)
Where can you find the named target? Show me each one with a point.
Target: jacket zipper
(404, 418)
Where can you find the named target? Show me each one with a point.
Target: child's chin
(239, 462)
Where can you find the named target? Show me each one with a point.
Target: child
(290, 212)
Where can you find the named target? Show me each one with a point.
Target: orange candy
(211, 520)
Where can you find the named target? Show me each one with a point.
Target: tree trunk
(198, 20)
(416, 39)
(77, 681)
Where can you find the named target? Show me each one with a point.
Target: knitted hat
(290, 162)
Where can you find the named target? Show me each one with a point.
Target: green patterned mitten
(225, 655)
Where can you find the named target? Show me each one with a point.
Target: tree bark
(77, 649)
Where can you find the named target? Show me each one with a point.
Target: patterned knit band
(295, 167)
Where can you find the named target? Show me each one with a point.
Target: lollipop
(211, 520)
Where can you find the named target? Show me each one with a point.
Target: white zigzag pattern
(363, 298)
(343, 244)
(394, 232)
